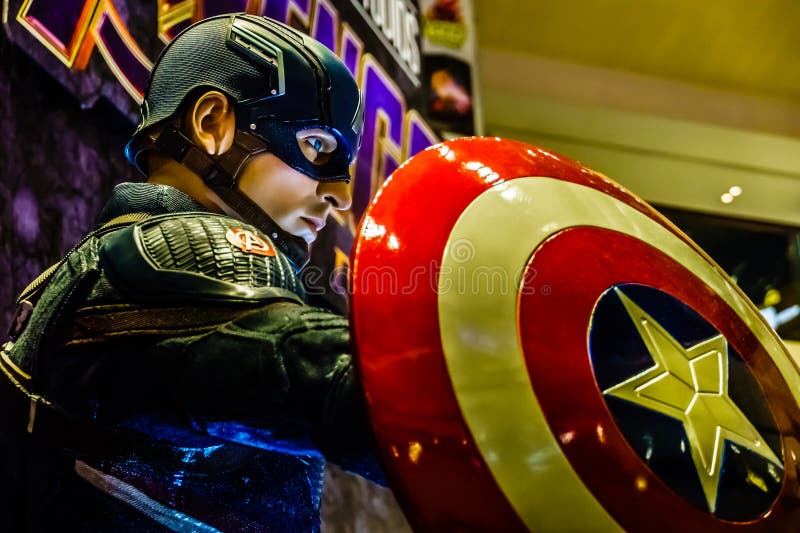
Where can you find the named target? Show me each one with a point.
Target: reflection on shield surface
(535, 339)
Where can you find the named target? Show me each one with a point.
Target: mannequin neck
(166, 171)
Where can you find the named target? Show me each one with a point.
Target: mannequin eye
(317, 145)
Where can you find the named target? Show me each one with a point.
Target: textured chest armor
(209, 269)
(164, 261)
(197, 257)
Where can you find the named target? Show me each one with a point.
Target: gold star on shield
(691, 385)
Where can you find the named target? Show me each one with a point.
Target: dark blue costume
(167, 374)
(216, 408)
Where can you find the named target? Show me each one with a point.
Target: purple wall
(58, 163)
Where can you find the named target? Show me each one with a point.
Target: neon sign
(72, 29)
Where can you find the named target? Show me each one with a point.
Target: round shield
(541, 350)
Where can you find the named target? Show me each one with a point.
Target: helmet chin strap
(221, 175)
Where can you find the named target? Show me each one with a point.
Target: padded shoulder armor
(198, 256)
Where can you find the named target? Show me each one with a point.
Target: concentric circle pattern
(541, 350)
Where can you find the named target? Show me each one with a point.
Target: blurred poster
(414, 61)
(449, 51)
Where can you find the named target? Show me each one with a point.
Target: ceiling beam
(514, 73)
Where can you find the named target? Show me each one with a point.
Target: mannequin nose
(336, 193)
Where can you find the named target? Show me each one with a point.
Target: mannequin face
(299, 204)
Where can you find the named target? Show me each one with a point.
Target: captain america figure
(167, 374)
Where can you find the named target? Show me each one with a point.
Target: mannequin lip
(315, 222)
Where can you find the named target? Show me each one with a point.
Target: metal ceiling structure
(677, 100)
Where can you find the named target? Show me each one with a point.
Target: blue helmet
(280, 81)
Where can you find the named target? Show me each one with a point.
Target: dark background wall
(58, 163)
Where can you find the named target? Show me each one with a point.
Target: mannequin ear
(211, 122)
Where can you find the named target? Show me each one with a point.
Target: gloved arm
(287, 366)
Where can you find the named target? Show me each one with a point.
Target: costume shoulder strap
(34, 288)
(28, 297)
